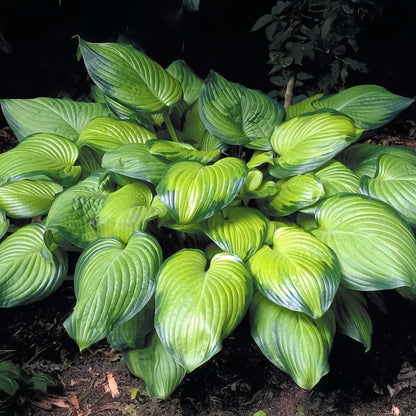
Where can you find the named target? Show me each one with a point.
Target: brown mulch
(237, 381)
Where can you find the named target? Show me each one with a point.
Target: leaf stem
(169, 126)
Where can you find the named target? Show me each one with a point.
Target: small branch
(289, 92)
(169, 126)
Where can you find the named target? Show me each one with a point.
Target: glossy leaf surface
(298, 272)
(236, 114)
(156, 367)
(375, 248)
(306, 142)
(113, 281)
(106, 133)
(73, 212)
(130, 77)
(193, 192)
(40, 156)
(394, 183)
(29, 271)
(27, 199)
(370, 106)
(126, 210)
(293, 341)
(237, 230)
(4, 223)
(196, 306)
(352, 318)
(134, 161)
(296, 193)
(62, 117)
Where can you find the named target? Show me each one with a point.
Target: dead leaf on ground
(111, 386)
(48, 402)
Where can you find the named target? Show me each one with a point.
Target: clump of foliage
(193, 201)
(316, 42)
(13, 380)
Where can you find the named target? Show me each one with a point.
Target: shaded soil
(237, 381)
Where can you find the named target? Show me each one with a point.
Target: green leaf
(156, 367)
(182, 151)
(73, 213)
(236, 114)
(296, 193)
(375, 248)
(255, 187)
(66, 118)
(394, 183)
(293, 341)
(299, 272)
(125, 211)
(29, 271)
(306, 142)
(193, 192)
(191, 84)
(106, 133)
(28, 199)
(302, 107)
(198, 306)
(352, 318)
(41, 156)
(4, 223)
(134, 161)
(130, 77)
(237, 230)
(337, 178)
(10, 377)
(370, 106)
(132, 333)
(195, 132)
(113, 281)
(363, 158)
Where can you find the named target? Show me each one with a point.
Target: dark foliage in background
(316, 42)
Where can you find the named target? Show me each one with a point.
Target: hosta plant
(188, 203)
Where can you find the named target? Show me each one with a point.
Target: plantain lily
(191, 201)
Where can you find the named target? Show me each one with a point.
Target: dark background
(42, 56)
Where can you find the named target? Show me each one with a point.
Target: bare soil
(237, 381)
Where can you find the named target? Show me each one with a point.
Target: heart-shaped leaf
(370, 106)
(113, 281)
(237, 230)
(394, 183)
(236, 114)
(156, 367)
(293, 341)
(299, 272)
(296, 193)
(126, 210)
(182, 151)
(62, 117)
(130, 77)
(375, 248)
(196, 306)
(73, 213)
(193, 192)
(352, 318)
(106, 133)
(306, 142)
(134, 161)
(131, 334)
(28, 199)
(41, 156)
(29, 271)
